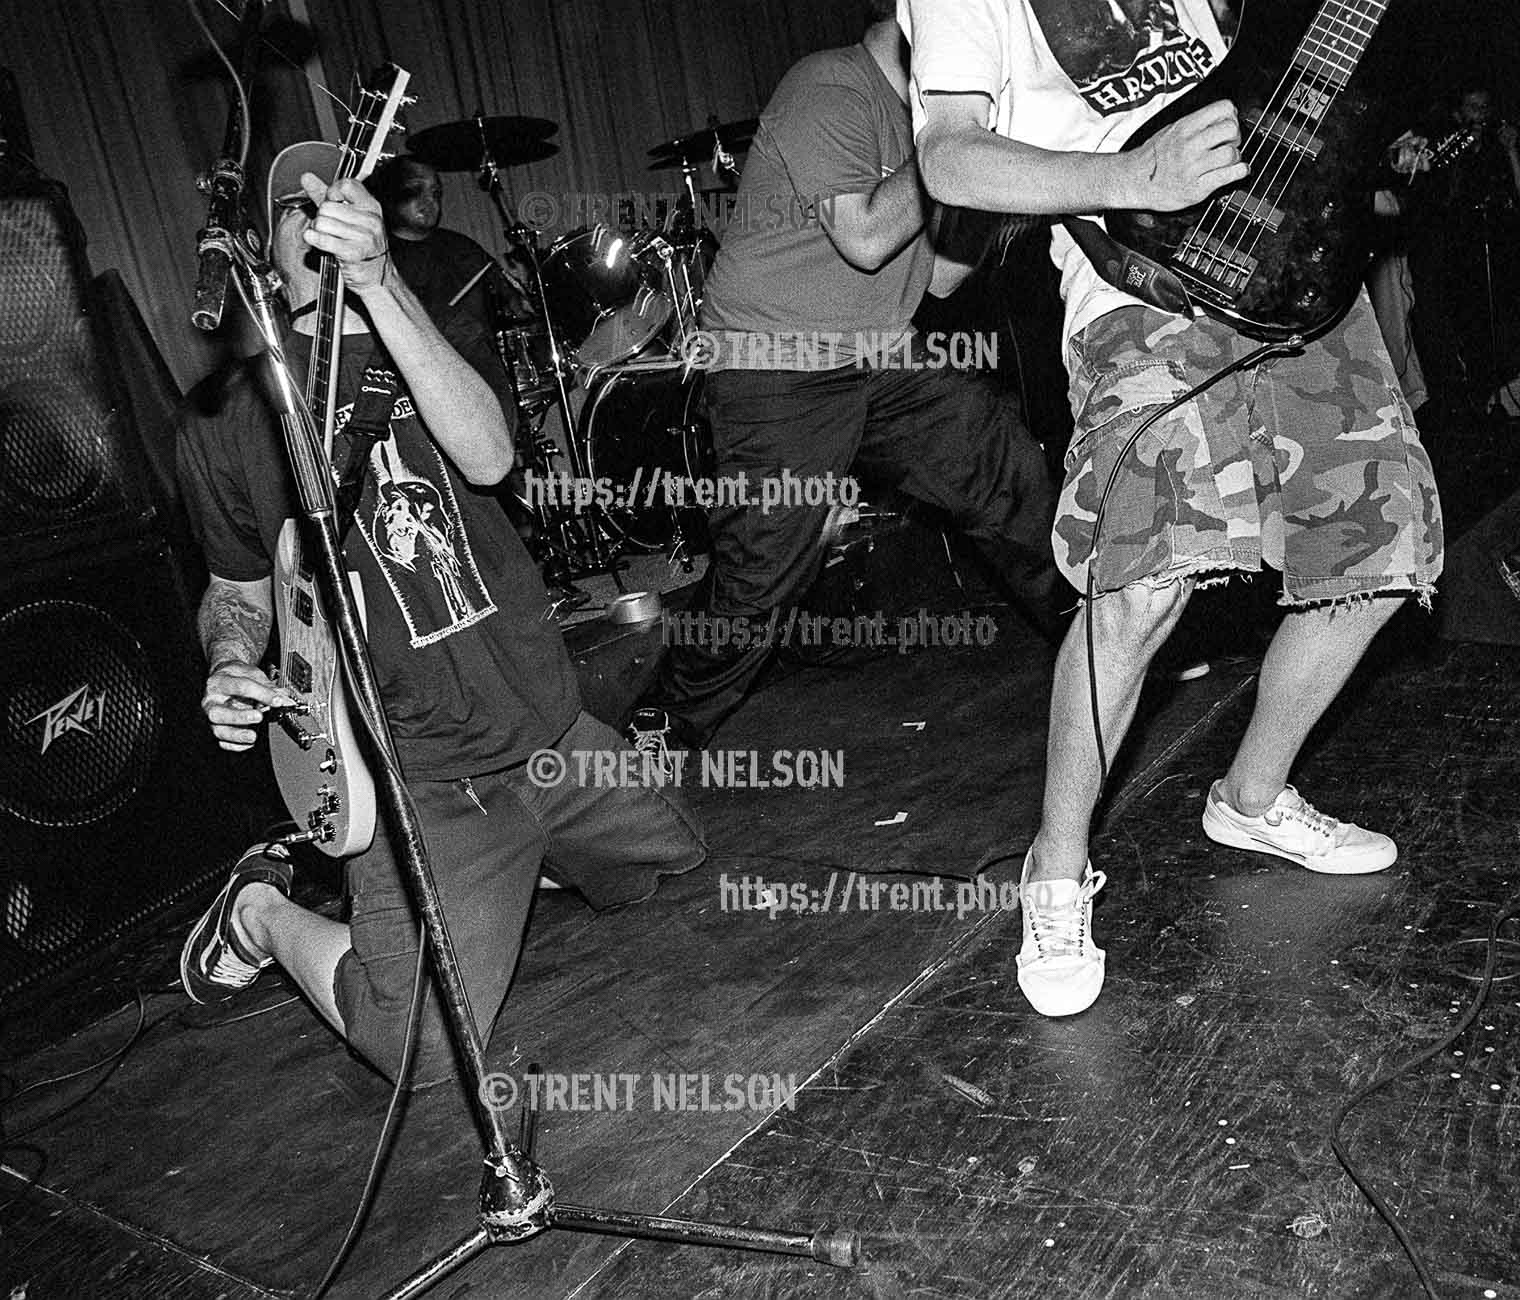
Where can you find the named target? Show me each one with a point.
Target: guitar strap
(368, 423)
(1129, 271)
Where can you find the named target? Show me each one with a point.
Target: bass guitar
(318, 763)
(1283, 252)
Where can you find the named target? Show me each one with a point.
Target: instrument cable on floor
(1507, 912)
(387, 1126)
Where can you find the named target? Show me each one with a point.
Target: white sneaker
(1060, 968)
(1295, 829)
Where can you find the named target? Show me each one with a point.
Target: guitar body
(1284, 252)
(318, 764)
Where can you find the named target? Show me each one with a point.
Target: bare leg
(1309, 660)
(307, 946)
(1129, 626)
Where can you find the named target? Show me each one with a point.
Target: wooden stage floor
(1170, 1142)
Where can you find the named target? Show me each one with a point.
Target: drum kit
(605, 317)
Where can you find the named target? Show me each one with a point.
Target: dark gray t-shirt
(780, 295)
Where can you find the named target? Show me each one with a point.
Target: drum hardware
(573, 540)
(715, 146)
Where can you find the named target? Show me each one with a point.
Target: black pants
(941, 436)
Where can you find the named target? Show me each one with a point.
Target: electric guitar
(1283, 252)
(318, 763)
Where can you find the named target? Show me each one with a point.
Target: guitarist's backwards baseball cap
(284, 187)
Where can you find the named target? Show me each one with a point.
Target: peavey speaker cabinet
(114, 800)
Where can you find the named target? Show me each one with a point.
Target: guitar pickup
(1255, 209)
(1280, 127)
(298, 674)
(302, 606)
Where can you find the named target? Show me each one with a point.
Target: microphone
(213, 242)
(223, 185)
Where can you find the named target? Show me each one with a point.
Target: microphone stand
(516, 1199)
(223, 184)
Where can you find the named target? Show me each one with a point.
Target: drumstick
(473, 281)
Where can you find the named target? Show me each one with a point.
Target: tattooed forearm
(234, 624)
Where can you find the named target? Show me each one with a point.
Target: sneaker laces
(1061, 931)
(232, 969)
(1305, 812)
(651, 742)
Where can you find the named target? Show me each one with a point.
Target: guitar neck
(1338, 38)
(322, 378)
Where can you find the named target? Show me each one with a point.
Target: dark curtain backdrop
(125, 107)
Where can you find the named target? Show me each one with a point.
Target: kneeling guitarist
(473, 679)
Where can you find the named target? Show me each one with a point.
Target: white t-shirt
(1073, 75)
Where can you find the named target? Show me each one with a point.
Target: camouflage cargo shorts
(1309, 463)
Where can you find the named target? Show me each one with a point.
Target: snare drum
(603, 296)
(525, 352)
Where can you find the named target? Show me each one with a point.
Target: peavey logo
(79, 711)
(1175, 65)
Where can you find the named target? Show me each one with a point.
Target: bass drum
(646, 439)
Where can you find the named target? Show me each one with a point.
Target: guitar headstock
(373, 118)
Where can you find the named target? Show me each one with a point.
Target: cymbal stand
(595, 555)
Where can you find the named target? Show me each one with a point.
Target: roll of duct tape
(635, 607)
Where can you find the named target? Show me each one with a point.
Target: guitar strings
(1343, 48)
(1208, 227)
(1322, 44)
(1270, 181)
(1222, 225)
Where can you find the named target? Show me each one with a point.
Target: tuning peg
(409, 100)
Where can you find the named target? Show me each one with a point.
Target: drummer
(448, 271)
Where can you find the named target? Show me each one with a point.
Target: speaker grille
(64, 452)
(81, 712)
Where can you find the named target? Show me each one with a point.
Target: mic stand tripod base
(517, 1202)
(839, 1247)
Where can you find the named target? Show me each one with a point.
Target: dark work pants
(941, 436)
(488, 837)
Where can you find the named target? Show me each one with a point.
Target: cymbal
(699, 145)
(463, 145)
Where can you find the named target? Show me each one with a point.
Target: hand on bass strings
(1184, 163)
